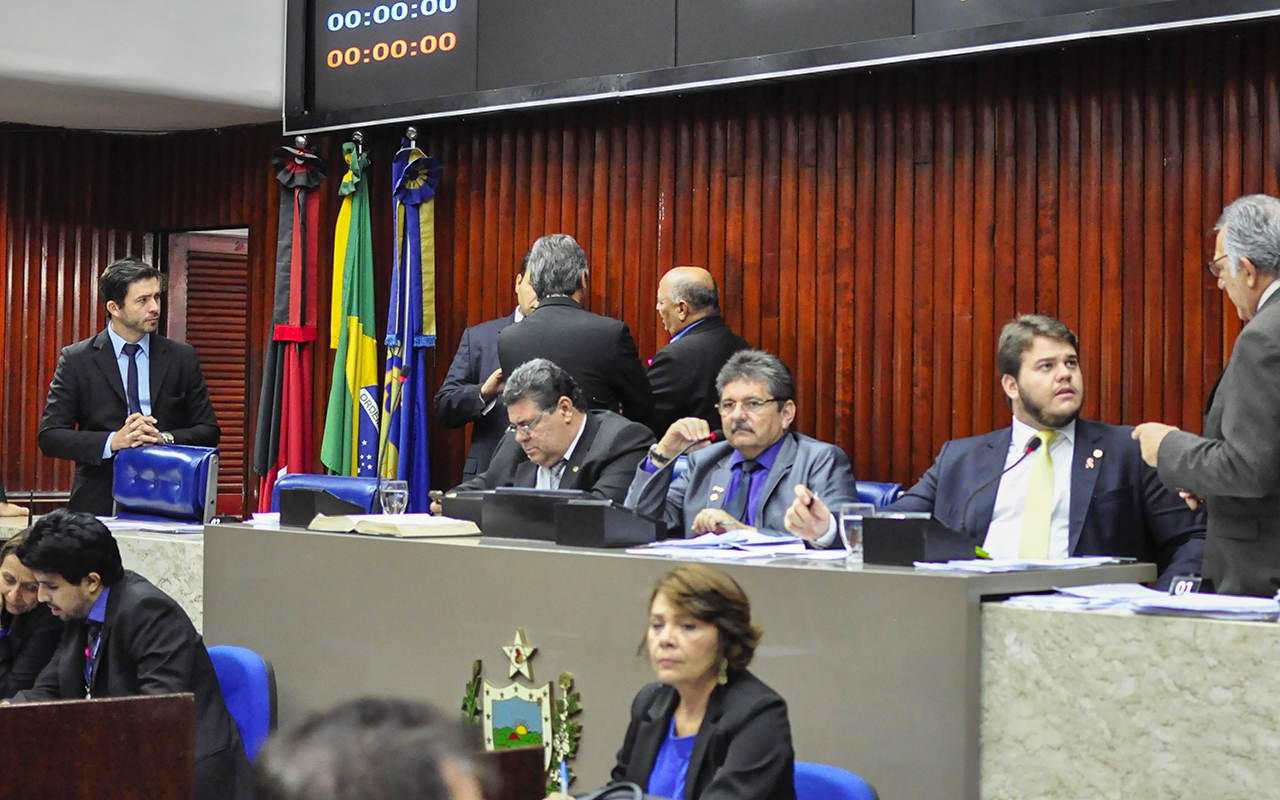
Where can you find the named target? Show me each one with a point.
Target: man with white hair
(1235, 466)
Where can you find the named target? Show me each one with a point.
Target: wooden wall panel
(875, 228)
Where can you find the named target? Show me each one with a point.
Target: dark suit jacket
(148, 646)
(1236, 464)
(1118, 508)
(821, 466)
(87, 403)
(27, 648)
(602, 463)
(743, 749)
(683, 374)
(458, 400)
(597, 351)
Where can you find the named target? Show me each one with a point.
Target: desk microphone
(716, 436)
(1032, 445)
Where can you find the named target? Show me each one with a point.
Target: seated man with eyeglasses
(554, 442)
(764, 476)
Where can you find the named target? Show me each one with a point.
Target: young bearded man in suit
(127, 386)
(472, 391)
(123, 637)
(1079, 487)
(554, 442)
(683, 374)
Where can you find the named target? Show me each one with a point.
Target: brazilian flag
(351, 425)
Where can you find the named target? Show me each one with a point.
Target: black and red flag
(284, 411)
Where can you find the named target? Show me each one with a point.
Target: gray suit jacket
(822, 467)
(1236, 464)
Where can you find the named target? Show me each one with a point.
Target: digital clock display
(384, 53)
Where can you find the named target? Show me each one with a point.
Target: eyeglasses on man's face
(1215, 266)
(525, 428)
(750, 405)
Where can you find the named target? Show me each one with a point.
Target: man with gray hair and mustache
(765, 476)
(554, 442)
(1234, 468)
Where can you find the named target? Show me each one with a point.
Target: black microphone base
(898, 542)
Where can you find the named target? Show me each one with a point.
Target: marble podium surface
(172, 561)
(1106, 705)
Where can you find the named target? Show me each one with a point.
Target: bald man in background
(683, 374)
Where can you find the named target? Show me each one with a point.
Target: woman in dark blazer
(709, 729)
(29, 633)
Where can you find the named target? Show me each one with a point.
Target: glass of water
(394, 496)
(849, 519)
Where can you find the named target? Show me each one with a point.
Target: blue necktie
(131, 350)
(736, 506)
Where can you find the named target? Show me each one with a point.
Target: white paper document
(1012, 564)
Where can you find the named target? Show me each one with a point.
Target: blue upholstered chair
(823, 782)
(248, 686)
(166, 482)
(361, 491)
(878, 494)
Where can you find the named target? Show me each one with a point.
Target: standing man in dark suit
(1235, 467)
(597, 351)
(1079, 487)
(125, 387)
(472, 390)
(683, 374)
(554, 442)
(123, 637)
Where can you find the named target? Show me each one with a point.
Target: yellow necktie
(1039, 508)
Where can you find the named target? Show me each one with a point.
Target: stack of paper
(736, 545)
(1013, 564)
(1214, 606)
(1100, 595)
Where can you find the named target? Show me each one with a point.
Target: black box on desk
(599, 523)
(525, 513)
(465, 505)
(299, 506)
(900, 540)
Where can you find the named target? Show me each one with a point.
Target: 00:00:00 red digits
(397, 49)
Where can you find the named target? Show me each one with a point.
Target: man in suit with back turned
(127, 386)
(472, 391)
(597, 351)
(123, 637)
(1073, 487)
(683, 374)
(1234, 468)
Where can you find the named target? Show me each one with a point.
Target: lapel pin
(575, 469)
(714, 497)
(1097, 454)
(1088, 463)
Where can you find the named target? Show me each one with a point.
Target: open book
(403, 526)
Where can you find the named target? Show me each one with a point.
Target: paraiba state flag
(411, 324)
(350, 444)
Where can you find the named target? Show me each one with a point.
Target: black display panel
(719, 30)
(950, 15)
(525, 42)
(354, 62)
(369, 53)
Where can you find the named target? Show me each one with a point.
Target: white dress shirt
(1006, 518)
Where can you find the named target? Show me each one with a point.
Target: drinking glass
(849, 519)
(394, 496)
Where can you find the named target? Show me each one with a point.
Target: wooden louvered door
(209, 309)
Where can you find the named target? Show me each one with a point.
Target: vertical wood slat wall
(875, 229)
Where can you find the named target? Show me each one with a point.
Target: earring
(724, 673)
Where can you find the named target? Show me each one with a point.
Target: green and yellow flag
(351, 426)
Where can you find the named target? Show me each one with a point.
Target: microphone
(1032, 445)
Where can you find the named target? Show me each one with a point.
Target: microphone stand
(1032, 445)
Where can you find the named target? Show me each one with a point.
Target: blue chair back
(361, 491)
(248, 686)
(166, 482)
(878, 494)
(823, 782)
